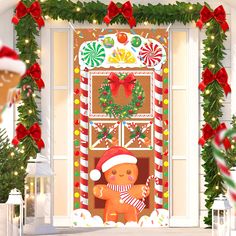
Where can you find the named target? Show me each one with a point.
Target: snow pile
(83, 218)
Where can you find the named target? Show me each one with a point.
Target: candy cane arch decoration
(218, 150)
(84, 139)
(158, 138)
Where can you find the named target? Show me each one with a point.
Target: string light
(213, 66)
(46, 17)
(27, 41)
(22, 167)
(34, 95)
(207, 91)
(218, 173)
(94, 21)
(12, 154)
(190, 7)
(208, 49)
(27, 61)
(30, 111)
(38, 51)
(145, 22)
(208, 23)
(15, 173)
(221, 101)
(232, 146)
(213, 119)
(212, 37)
(217, 187)
(78, 9)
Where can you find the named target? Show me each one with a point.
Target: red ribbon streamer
(126, 10)
(34, 10)
(34, 131)
(35, 73)
(209, 132)
(218, 14)
(115, 82)
(221, 77)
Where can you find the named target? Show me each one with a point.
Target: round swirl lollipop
(93, 54)
(150, 54)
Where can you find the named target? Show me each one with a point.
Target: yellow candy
(122, 56)
(166, 164)
(166, 70)
(76, 164)
(77, 195)
(76, 70)
(166, 101)
(77, 101)
(76, 132)
(166, 195)
(166, 132)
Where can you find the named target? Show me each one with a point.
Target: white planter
(3, 219)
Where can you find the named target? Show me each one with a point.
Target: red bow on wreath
(34, 132)
(209, 132)
(221, 77)
(115, 82)
(34, 10)
(218, 14)
(35, 73)
(126, 10)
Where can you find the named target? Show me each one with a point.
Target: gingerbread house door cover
(121, 121)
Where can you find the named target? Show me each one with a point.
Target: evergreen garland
(12, 168)
(91, 12)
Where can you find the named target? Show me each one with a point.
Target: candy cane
(147, 185)
(84, 140)
(218, 151)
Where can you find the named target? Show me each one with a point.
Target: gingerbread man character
(11, 70)
(121, 194)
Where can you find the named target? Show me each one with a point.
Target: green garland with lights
(93, 12)
(112, 109)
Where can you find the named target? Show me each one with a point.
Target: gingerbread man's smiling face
(122, 174)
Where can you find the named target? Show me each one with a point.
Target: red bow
(115, 83)
(34, 10)
(35, 73)
(218, 14)
(126, 10)
(209, 132)
(221, 77)
(34, 132)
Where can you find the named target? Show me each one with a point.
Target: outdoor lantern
(221, 217)
(38, 217)
(14, 212)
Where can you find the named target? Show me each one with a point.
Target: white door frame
(192, 159)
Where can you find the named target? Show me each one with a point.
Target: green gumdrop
(136, 41)
(76, 173)
(76, 142)
(76, 112)
(165, 174)
(166, 80)
(76, 205)
(166, 143)
(166, 205)
(166, 112)
(76, 81)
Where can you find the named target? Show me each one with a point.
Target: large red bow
(115, 82)
(126, 10)
(34, 132)
(209, 132)
(218, 14)
(34, 10)
(35, 73)
(221, 77)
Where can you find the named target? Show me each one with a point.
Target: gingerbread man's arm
(101, 191)
(137, 191)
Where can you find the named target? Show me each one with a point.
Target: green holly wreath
(121, 112)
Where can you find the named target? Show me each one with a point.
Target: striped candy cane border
(84, 139)
(158, 137)
(158, 114)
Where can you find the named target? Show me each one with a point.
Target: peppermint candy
(150, 54)
(93, 54)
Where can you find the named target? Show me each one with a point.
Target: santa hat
(9, 60)
(112, 157)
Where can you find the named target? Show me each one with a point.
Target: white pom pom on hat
(9, 60)
(112, 157)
